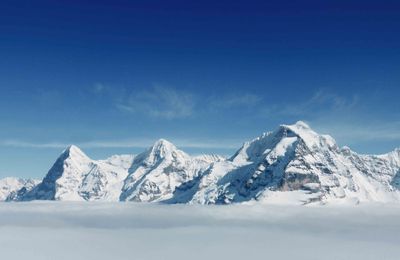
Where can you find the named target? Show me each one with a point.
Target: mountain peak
(162, 142)
(298, 127)
(75, 152)
(162, 149)
(302, 124)
(304, 131)
(73, 148)
(163, 145)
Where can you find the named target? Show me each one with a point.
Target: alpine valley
(292, 164)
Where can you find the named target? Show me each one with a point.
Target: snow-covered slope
(159, 171)
(76, 177)
(151, 176)
(11, 188)
(292, 164)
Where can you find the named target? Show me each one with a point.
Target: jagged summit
(311, 138)
(284, 133)
(162, 142)
(72, 148)
(160, 150)
(299, 125)
(300, 128)
(157, 173)
(74, 151)
(163, 145)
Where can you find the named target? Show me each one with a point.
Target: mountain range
(292, 164)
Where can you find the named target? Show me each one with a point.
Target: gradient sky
(114, 76)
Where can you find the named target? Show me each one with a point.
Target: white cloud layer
(99, 231)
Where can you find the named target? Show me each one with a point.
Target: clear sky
(114, 76)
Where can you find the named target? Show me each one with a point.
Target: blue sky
(114, 76)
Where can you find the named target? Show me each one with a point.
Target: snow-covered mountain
(15, 187)
(159, 171)
(76, 177)
(150, 176)
(293, 164)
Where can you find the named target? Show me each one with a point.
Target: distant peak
(74, 151)
(300, 129)
(73, 147)
(300, 125)
(163, 147)
(162, 143)
(308, 135)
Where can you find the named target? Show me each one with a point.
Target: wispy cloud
(234, 100)
(92, 144)
(162, 102)
(24, 144)
(346, 118)
(98, 88)
(322, 101)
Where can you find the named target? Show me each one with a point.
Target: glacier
(291, 165)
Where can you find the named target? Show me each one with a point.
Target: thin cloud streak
(322, 102)
(346, 132)
(144, 143)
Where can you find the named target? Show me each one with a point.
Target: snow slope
(158, 172)
(76, 177)
(11, 188)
